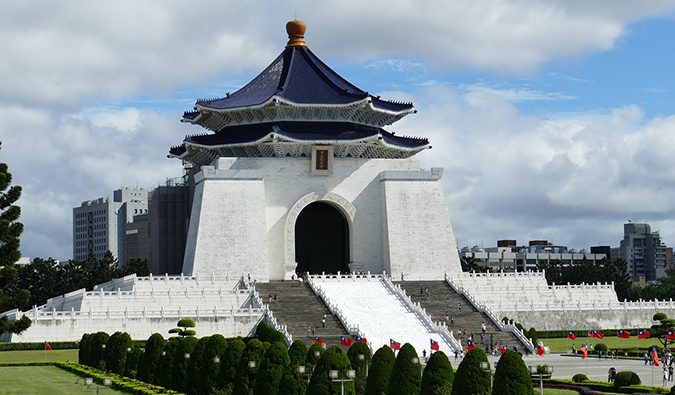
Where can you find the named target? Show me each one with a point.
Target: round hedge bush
(625, 378)
(579, 378)
(601, 347)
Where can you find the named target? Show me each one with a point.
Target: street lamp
(107, 382)
(363, 357)
(216, 359)
(251, 364)
(333, 374)
(302, 370)
(486, 367)
(534, 371)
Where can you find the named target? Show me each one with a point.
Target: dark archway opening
(321, 240)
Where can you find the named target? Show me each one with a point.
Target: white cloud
(508, 175)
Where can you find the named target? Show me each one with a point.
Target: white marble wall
(403, 226)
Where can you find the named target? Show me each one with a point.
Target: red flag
(643, 334)
(47, 346)
(669, 334)
(540, 351)
(584, 350)
(470, 345)
(655, 356)
(623, 334)
(501, 346)
(394, 344)
(345, 341)
(319, 340)
(570, 335)
(361, 339)
(434, 345)
(599, 335)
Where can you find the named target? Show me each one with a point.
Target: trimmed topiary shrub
(321, 384)
(245, 376)
(359, 365)
(150, 357)
(438, 375)
(600, 347)
(625, 378)
(470, 379)
(312, 358)
(532, 334)
(163, 370)
(216, 346)
(131, 364)
(116, 352)
(579, 378)
(186, 345)
(82, 352)
(96, 351)
(183, 331)
(265, 334)
(406, 376)
(297, 354)
(380, 371)
(229, 364)
(274, 366)
(511, 375)
(194, 369)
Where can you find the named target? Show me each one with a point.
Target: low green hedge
(581, 333)
(72, 345)
(118, 382)
(38, 346)
(603, 387)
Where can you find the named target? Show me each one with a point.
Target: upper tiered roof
(297, 87)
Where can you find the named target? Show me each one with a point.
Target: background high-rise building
(644, 251)
(100, 225)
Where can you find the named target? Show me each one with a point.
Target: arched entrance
(321, 240)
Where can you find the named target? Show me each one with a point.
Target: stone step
(299, 308)
(438, 298)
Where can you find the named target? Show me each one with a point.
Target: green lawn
(38, 380)
(561, 345)
(38, 356)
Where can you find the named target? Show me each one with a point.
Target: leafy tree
(104, 269)
(186, 345)
(438, 375)
(359, 365)
(10, 230)
(605, 270)
(658, 331)
(230, 364)
(135, 266)
(216, 346)
(469, 264)
(150, 358)
(116, 351)
(274, 366)
(511, 375)
(321, 383)
(470, 379)
(265, 333)
(245, 377)
(406, 376)
(183, 331)
(380, 371)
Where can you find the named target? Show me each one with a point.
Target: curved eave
(189, 148)
(277, 108)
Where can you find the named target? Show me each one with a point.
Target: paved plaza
(566, 366)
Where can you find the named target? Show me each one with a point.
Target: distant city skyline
(553, 121)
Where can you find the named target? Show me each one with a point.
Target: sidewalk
(566, 366)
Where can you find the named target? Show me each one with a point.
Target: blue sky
(553, 120)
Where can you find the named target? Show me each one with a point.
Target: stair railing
(268, 315)
(506, 327)
(353, 330)
(440, 329)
